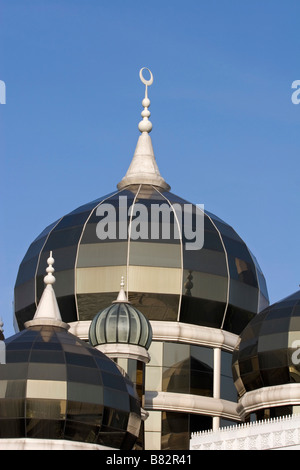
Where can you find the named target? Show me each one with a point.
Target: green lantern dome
(120, 323)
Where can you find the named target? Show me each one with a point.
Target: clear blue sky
(225, 131)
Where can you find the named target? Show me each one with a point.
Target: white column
(217, 383)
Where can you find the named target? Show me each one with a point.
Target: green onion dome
(120, 323)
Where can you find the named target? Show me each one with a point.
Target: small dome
(120, 323)
(265, 353)
(55, 386)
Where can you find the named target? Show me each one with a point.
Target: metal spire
(47, 312)
(143, 168)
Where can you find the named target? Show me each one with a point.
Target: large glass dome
(266, 354)
(220, 285)
(55, 386)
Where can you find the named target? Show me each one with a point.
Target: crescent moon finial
(146, 82)
(145, 125)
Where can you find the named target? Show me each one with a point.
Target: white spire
(143, 168)
(47, 312)
(122, 298)
(1, 329)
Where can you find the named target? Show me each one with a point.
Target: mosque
(151, 329)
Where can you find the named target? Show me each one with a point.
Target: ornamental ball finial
(49, 278)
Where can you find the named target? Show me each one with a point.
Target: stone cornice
(187, 403)
(193, 334)
(175, 332)
(268, 397)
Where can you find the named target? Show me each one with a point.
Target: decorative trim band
(186, 403)
(269, 397)
(176, 332)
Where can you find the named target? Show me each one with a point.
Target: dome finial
(122, 296)
(49, 278)
(145, 125)
(143, 168)
(47, 312)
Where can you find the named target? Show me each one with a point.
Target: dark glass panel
(67, 308)
(113, 381)
(80, 360)
(47, 357)
(207, 261)
(175, 431)
(114, 419)
(47, 346)
(105, 364)
(276, 325)
(262, 285)
(73, 219)
(242, 270)
(26, 271)
(176, 355)
(228, 390)
(202, 355)
(294, 322)
(76, 348)
(40, 371)
(272, 342)
(12, 408)
(162, 307)
(84, 412)
(25, 314)
(17, 356)
(15, 372)
(12, 428)
(62, 238)
(278, 358)
(174, 198)
(82, 432)
(176, 379)
(44, 429)
(236, 319)
(200, 423)
(116, 399)
(86, 393)
(65, 257)
(83, 375)
(135, 404)
(212, 241)
(89, 206)
(201, 374)
(24, 296)
(201, 312)
(224, 228)
(201, 383)
(90, 304)
(279, 312)
(128, 442)
(110, 438)
(45, 409)
(253, 380)
(19, 345)
(276, 376)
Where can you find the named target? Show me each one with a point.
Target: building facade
(187, 271)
